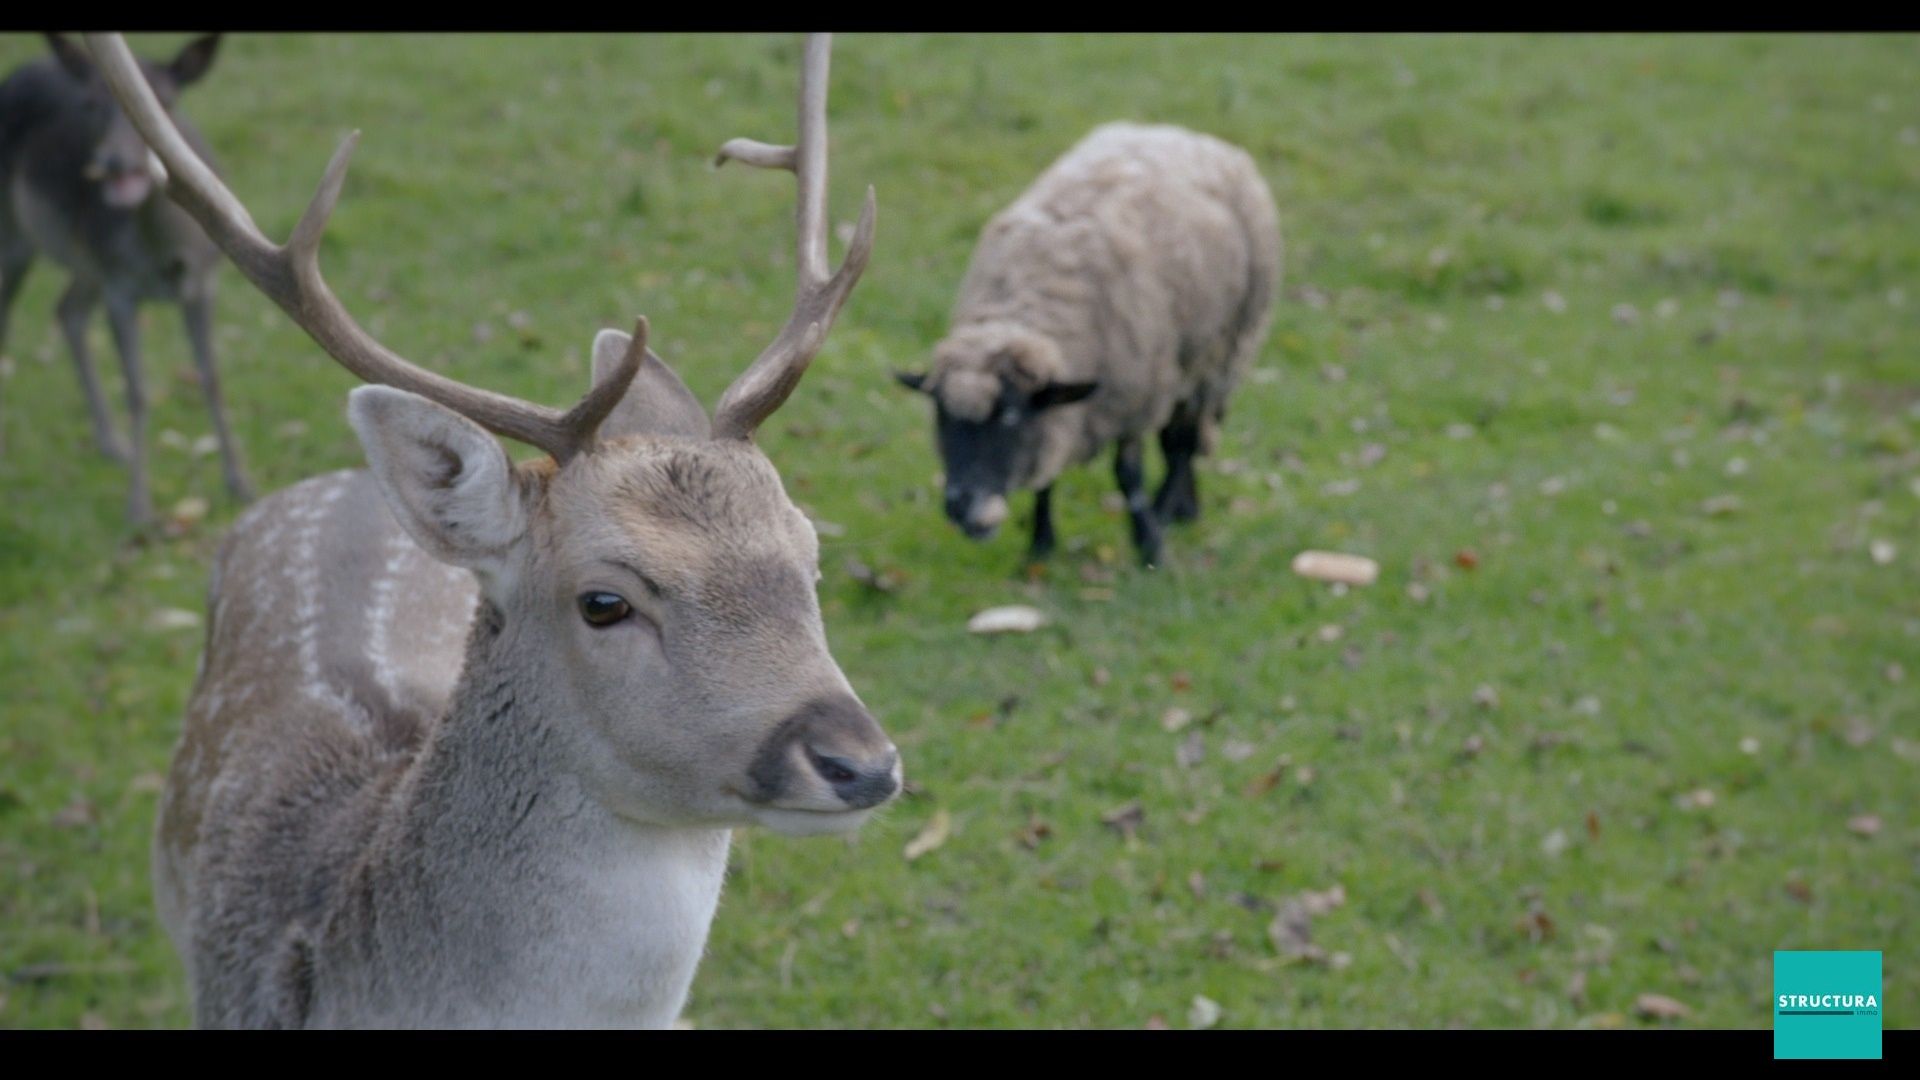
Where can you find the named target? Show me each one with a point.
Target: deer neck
(541, 906)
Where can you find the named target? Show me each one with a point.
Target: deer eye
(604, 608)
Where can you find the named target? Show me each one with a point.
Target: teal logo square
(1826, 1005)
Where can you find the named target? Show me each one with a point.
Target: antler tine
(289, 275)
(819, 293)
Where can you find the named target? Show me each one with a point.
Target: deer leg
(75, 309)
(1042, 545)
(1178, 498)
(1130, 472)
(198, 310)
(123, 316)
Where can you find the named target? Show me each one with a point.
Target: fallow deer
(469, 737)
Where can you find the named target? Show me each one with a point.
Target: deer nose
(860, 784)
(832, 743)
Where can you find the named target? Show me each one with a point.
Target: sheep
(1125, 293)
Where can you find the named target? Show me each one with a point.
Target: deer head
(649, 583)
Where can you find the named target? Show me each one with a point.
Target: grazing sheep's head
(989, 385)
(118, 162)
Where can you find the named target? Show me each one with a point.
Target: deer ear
(657, 402)
(447, 481)
(194, 60)
(1062, 394)
(72, 57)
(912, 380)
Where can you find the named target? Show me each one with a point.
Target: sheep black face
(990, 444)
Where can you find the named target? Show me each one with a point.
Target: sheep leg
(123, 318)
(1129, 470)
(76, 308)
(198, 310)
(1042, 545)
(1179, 497)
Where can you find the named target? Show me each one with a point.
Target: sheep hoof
(1150, 557)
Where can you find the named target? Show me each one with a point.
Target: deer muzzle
(830, 756)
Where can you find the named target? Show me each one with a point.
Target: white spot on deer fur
(309, 515)
(380, 613)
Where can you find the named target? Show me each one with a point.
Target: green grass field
(1607, 348)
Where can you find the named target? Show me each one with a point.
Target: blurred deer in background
(469, 737)
(79, 186)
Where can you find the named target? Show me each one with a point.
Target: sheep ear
(194, 60)
(71, 56)
(912, 380)
(1062, 394)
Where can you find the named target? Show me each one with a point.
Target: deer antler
(290, 276)
(818, 294)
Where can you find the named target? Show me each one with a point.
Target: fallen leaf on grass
(1267, 781)
(1033, 832)
(1126, 819)
(1175, 719)
(1865, 824)
(73, 815)
(1536, 924)
(1291, 930)
(885, 581)
(1192, 750)
(190, 510)
(1012, 619)
(1698, 799)
(174, 619)
(938, 828)
(1336, 566)
(1659, 1007)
